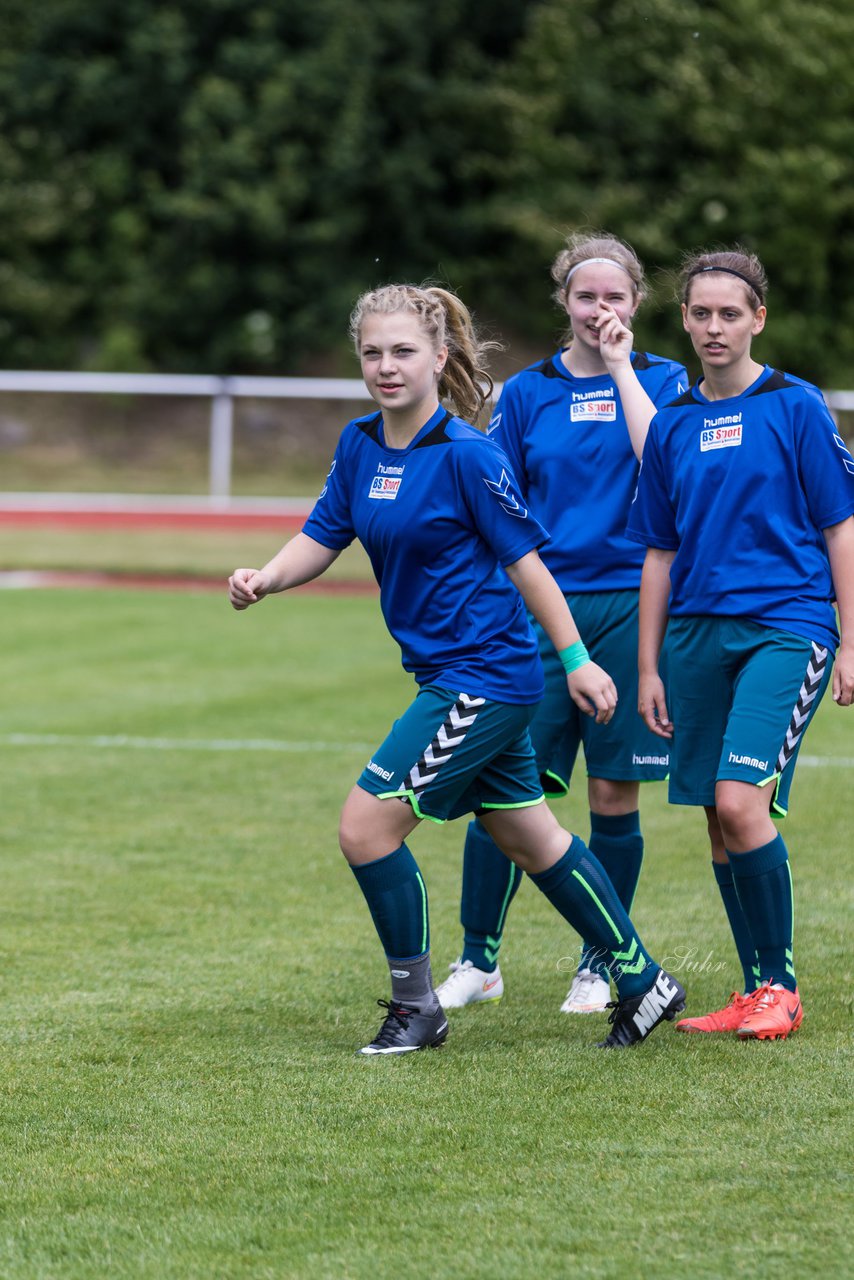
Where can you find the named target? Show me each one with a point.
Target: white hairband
(610, 262)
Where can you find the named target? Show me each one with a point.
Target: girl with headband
(454, 550)
(573, 426)
(745, 504)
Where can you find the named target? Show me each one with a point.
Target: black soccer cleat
(405, 1030)
(633, 1019)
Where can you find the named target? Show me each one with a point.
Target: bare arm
(591, 688)
(840, 550)
(652, 624)
(615, 346)
(300, 560)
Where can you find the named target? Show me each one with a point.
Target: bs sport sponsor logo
(598, 406)
(509, 502)
(386, 483)
(721, 433)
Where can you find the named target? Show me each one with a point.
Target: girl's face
(592, 285)
(400, 366)
(720, 321)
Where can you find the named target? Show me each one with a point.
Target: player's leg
(372, 836)
(428, 767)
(619, 756)
(781, 679)
(616, 840)
(490, 880)
(778, 691)
(570, 876)
(490, 883)
(731, 1016)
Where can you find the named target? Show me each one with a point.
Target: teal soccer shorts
(740, 698)
(451, 754)
(623, 750)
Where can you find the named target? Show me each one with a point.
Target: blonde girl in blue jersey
(454, 550)
(746, 506)
(573, 426)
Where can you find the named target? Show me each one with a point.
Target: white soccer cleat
(468, 985)
(589, 993)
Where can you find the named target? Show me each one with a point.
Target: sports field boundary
(117, 510)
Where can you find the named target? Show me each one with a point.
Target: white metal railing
(222, 392)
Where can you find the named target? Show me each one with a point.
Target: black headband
(731, 271)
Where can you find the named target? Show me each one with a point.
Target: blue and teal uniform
(740, 490)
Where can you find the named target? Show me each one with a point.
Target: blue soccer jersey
(569, 446)
(741, 489)
(438, 520)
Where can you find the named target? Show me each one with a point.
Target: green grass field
(188, 967)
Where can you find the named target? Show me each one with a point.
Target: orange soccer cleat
(730, 1018)
(775, 1012)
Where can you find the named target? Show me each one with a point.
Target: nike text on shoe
(405, 1030)
(468, 985)
(589, 993)
(775, 1013)
(729, 1018)
(633, 1019)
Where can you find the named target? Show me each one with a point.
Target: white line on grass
(261, 744)
(174, 744)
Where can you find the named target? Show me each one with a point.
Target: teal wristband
(573, 657)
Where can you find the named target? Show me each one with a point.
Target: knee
(611, 797)
(354, 838)
(742, 815)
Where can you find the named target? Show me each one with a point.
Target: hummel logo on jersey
(493, 424)
(723, 432)
(502, 490)
(751, 761)
(654, 1003)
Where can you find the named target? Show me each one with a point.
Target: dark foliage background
(206, 186)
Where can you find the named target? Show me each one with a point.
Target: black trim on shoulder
(437, 435)
(640, 360)
(371, 427)
(687, 397)
(776, 381)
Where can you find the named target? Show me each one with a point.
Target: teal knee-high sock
(490, 881)
(763, 882)
(617, 842)
(580, 890)
(737, 923)
(397, 900)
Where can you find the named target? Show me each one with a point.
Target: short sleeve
(652, 518)
(330, 521)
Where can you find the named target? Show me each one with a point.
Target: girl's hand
(843, 676)
(246, 587)
(615, 338)
(593, 691)
(653, 706)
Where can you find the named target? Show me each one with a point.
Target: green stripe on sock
(423, 912)
(614, 928)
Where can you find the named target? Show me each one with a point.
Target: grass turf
(188, 967)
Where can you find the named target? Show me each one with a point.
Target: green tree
(681, 124)
(208, 185)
